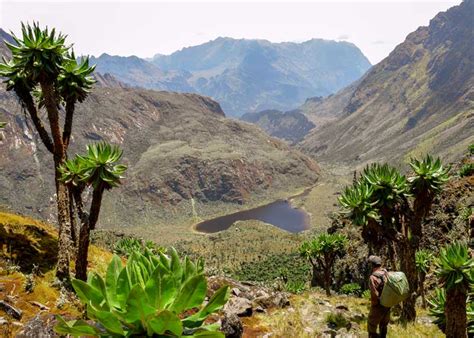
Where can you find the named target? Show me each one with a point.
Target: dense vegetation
(150, 295)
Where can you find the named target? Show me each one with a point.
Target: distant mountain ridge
(246, 75)
(185, 158)
(420, 99)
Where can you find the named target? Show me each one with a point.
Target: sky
(145, 28)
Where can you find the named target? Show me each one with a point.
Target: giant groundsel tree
(391, 209)
(45, 75)
(97, 169)
(455, 269)
(322, 252)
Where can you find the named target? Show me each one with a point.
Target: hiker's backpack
(395, 287)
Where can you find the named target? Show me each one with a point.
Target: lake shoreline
(241, 215)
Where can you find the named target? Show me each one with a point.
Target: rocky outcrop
(418, 100)
(248, 298)
(180, 149)
(291, 126)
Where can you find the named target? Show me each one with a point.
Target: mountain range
(186, 159)
(418, 100)
(245, 75)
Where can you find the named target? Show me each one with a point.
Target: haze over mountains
(246, 75)
(420, 99)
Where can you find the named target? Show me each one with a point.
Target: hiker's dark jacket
(376, 285)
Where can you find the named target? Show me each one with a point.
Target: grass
(309, 315)
(26, 242)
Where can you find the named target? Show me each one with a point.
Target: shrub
(337, 320)
(366, 294)
(466, 170)
(289, 267)
(351, 289)
(150, 295)
(471, 149)
(126, 246)
(295, 286)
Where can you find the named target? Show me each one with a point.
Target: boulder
(239, 306)
(232, 326)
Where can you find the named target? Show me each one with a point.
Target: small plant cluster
(352, 289)
(451, 304)
(126, 246)
(337, 320)
(151, 295)
(466, 170)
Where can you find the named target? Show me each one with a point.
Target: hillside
(291, 126)
(186, 159)
(246, 75)
(419, 99)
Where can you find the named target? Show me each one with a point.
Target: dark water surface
(280, 214)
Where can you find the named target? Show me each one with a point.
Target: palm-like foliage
(322, 244)
(423, 260)
(72, 171)
(322, 251)
(2, 125)
(455, 267)
(390, 187)
(429, 175)
(99, 166)
(358, 203)
(438, 310)
(37, 55)
(74, 81)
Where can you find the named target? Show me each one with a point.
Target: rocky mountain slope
(185, 158)
(246, 75)
(291, 126)
(419, 99)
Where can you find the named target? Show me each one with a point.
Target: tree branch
(27, 101)
(77, 194)
(53, 116)
(70, 107)
(95, 206)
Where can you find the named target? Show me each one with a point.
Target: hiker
(379, 315)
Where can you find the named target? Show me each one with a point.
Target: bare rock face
(180, 150)
(291, 126)
(417, 100)
(239, 306)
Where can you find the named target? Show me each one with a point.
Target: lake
(280, 214)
